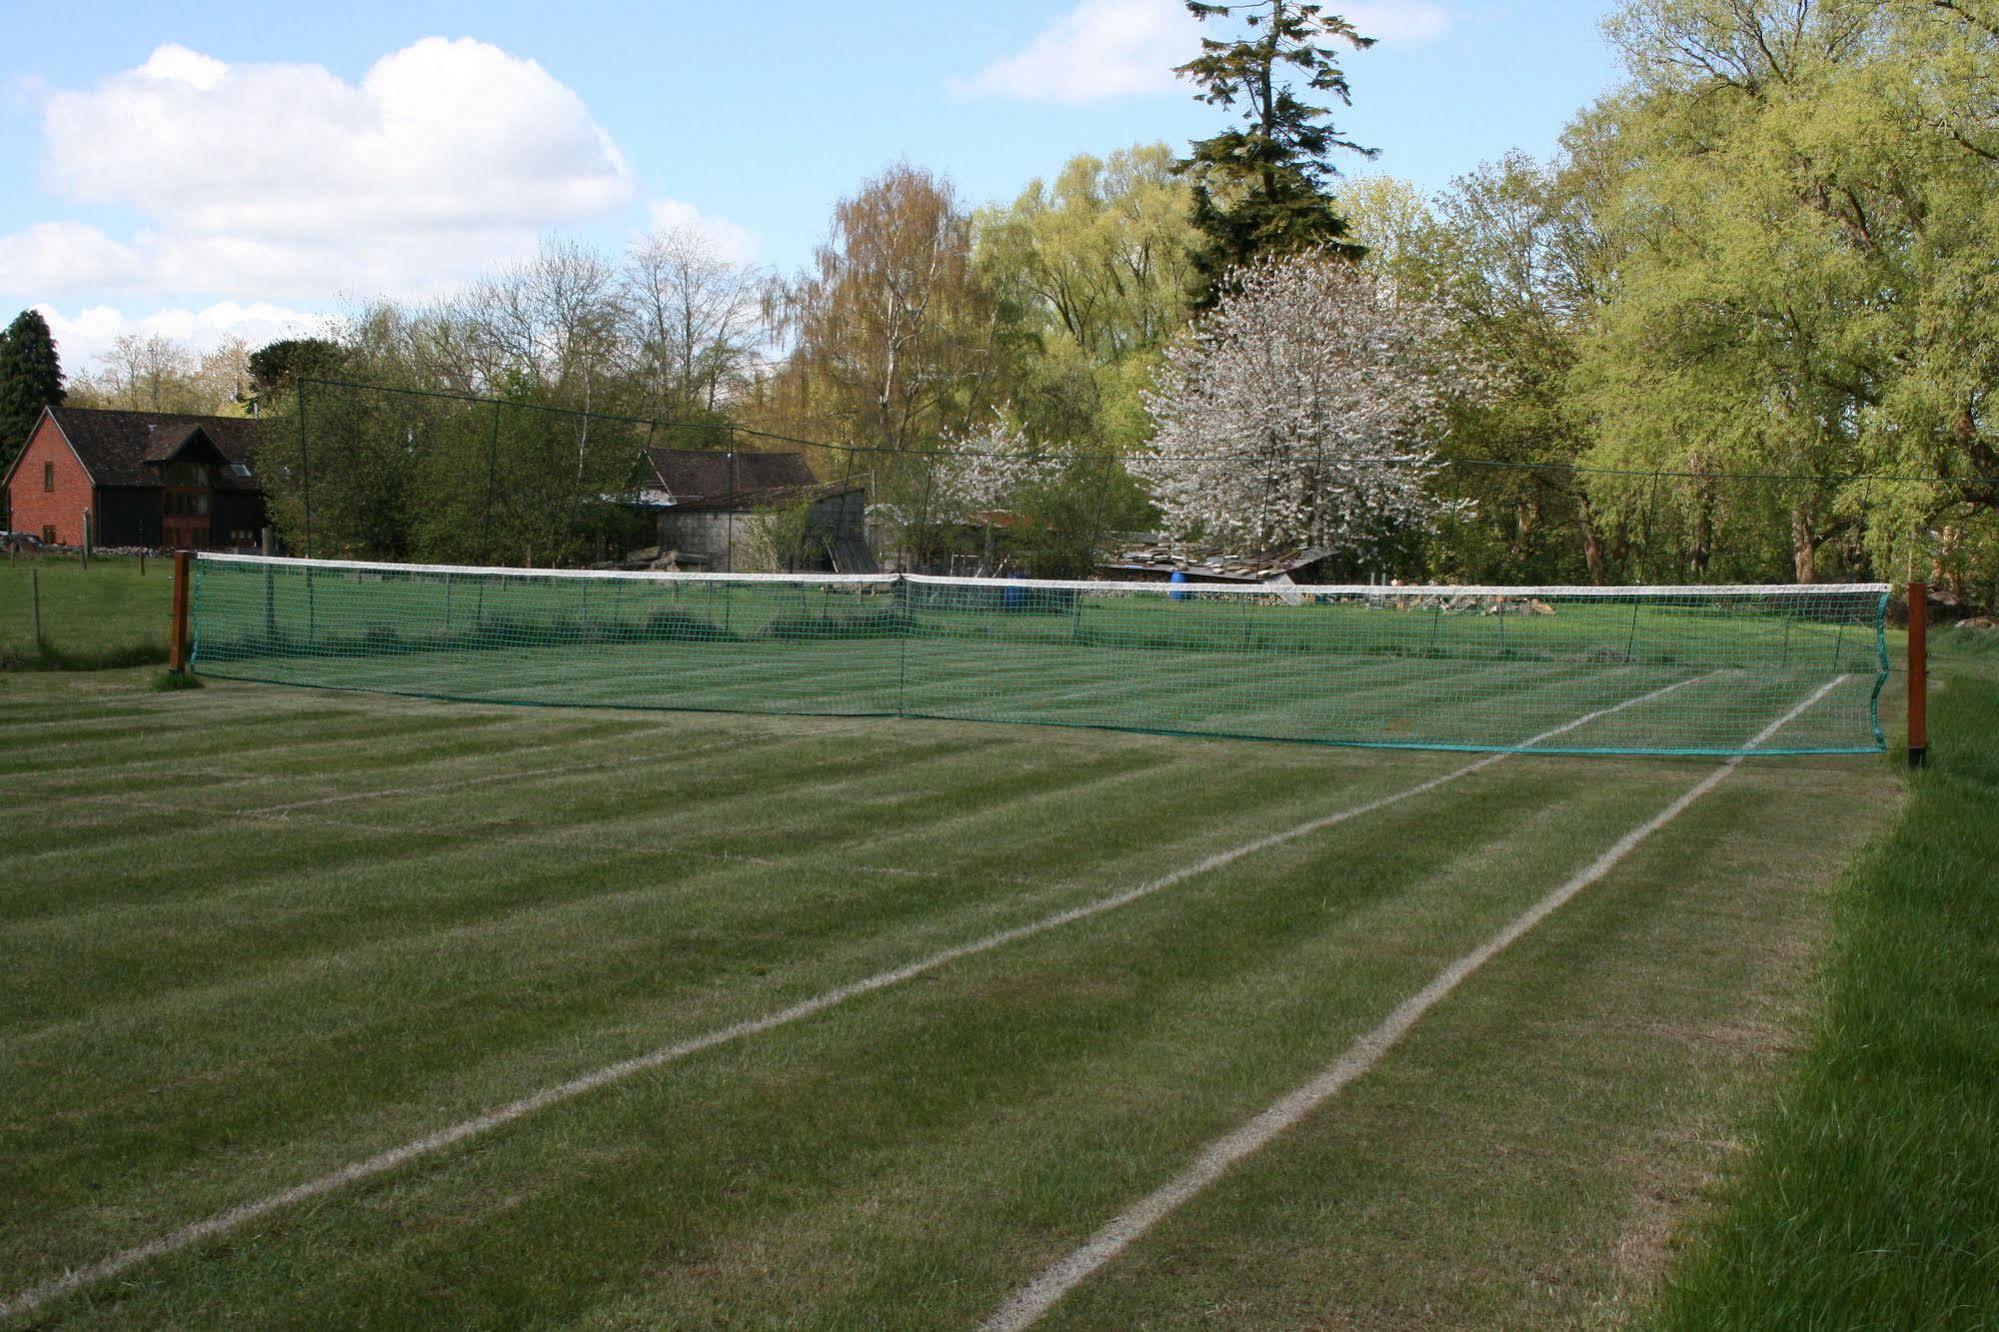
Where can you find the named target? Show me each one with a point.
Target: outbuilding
(705, 502)
(139, 479)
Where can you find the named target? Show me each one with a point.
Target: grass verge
(1872, 1195)
(58, 615)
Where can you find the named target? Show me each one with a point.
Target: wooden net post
(1919, 675)
(177, 637)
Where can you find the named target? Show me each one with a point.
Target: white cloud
(1099, 49)
(65, 256)
(737, 244)
(287, 182)
(1396, 22)
(86, 335)
(1121, 48)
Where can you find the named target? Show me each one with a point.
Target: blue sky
(201, 169)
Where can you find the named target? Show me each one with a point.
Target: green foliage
(780, 538)
(1804, 287)
(1263, 188)
(1090, 277)
(31, 378)
(275, 365)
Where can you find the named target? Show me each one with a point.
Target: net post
(1919, 675)
(177, 631)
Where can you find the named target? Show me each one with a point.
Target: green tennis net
(1659, 670)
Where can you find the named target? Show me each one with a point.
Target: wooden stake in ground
(177, 632)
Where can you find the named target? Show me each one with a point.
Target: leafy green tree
(1779, 214)
(31, 378)
(1264, 188)
(276, 366)
(1090, 275)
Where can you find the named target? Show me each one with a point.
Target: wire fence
(374, 472)
(65, 611)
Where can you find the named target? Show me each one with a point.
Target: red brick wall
(30, 506)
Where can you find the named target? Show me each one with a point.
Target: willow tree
(1089, 273)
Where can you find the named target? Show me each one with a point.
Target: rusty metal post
(177, 638)
(1919, 675)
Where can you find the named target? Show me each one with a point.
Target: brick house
(146, 478)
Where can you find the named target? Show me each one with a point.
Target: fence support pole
(177, 632)
(269, 548)
(1919, 675)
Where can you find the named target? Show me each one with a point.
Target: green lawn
(1872, 1199)
(253, 934)
(109, 614)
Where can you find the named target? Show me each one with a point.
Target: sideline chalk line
(1026, 1306)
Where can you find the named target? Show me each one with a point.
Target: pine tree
(1263, 189)
(30, 379)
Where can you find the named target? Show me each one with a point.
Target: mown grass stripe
(1027, 1306)
(222, 1222)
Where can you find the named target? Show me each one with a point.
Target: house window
(49, 534)
(48, 476)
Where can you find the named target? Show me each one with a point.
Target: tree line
(1740, 325)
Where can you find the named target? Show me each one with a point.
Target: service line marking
(1037, 1297)
(222, 1222)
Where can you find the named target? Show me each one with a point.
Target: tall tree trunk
(1592, 540)
(1804, 545)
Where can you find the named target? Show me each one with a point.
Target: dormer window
(241, 470)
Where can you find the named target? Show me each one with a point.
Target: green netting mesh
(1682, 670)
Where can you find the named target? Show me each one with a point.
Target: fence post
(35, 591)
(1919, 675)
(268, 546)
(177, 632)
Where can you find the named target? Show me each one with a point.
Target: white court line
(221, 1222)
(1038, 1296)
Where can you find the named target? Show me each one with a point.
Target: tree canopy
(31, 378)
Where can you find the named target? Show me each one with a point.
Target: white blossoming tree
(1299, 412)
(992, 470)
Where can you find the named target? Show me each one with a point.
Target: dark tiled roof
(715, 479)
(126, 448)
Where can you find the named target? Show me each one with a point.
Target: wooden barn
(144, 479)
(706, 500)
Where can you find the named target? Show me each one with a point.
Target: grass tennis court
(1433, 668)
(256, 934)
